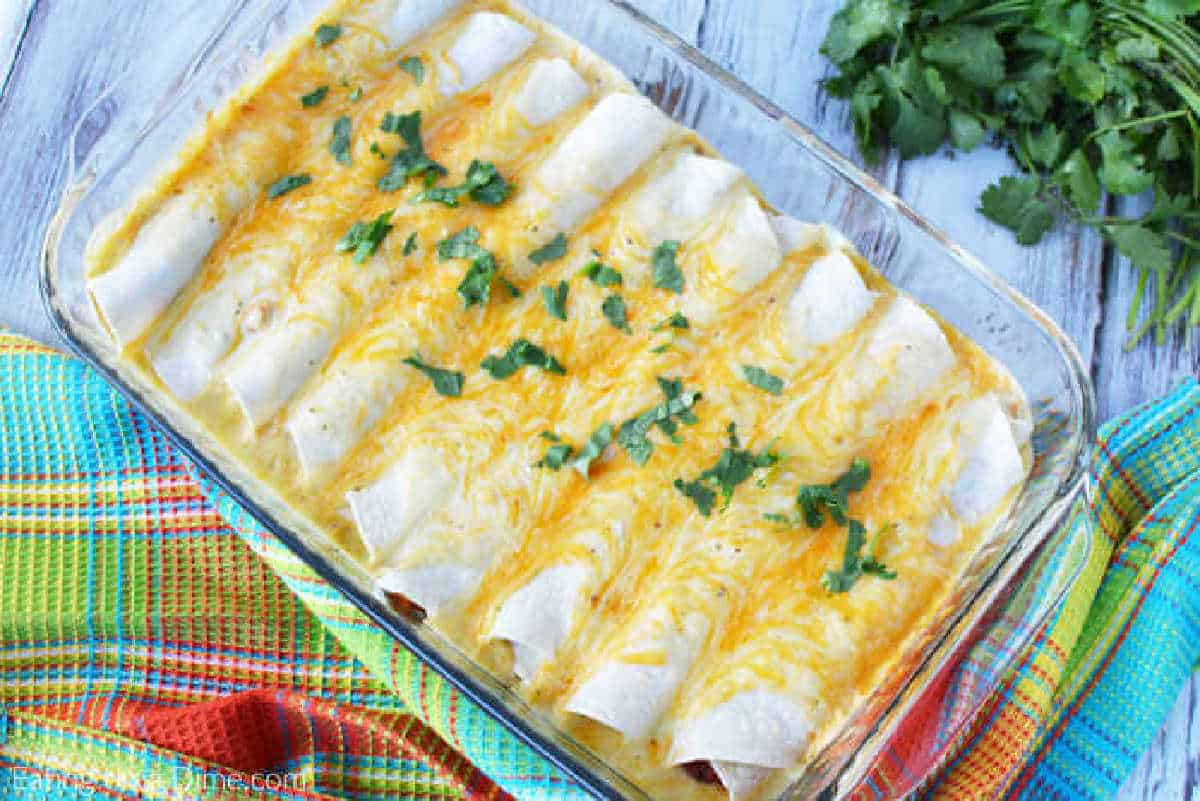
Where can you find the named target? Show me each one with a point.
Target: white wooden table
(56, 55)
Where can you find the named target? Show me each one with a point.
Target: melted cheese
(655, 634)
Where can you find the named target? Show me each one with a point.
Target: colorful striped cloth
(147, 652)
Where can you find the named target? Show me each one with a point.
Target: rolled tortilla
(541, 614)
(630, 691)
(439, 561)
(755, 710)
(173, 243)
(596, 157)
(400, 500)
(265, 372)
(829, 301)
(488, 43)
(646, 662)
(906, 354)
(361, 383)
(991, 466)
(796, 234)
(406, 19)
(537, 618)
(677, 203)
(552, 89)
(167, 251)
(749, 250)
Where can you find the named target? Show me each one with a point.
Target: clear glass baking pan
(135, 126)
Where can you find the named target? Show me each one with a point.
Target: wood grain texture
(52, 64)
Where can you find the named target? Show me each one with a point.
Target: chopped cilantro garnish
(600, 439)
(817, 499)
(677, 408)
(699, 493)
(314, 97)
(287, 184)
(663, 348)
(412, 160)
(339, 145)
(484, 184)
(410, 244)
(665, 271)
(555, 299)
(521, 353)
(676, 320)
(476, 286)
(601, 274)
(446, 382)
(364, 238)
(733, 468)
(356, 95)
(556, 456)
(762, 379)
(327, 35)
(377, 150)
(554, 250)
(414, 67)
(615, 312)
(551, 436)
(854, 563)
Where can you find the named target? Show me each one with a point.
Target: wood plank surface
(57, 55)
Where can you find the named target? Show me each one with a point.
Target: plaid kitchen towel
(145, 652)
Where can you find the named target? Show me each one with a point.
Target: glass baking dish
(135, 126)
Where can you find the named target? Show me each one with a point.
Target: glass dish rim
(404, 631)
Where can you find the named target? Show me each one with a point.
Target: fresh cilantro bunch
(1090, 96)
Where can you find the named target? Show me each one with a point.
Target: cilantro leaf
(815, 500)
(854, 564)
(676, 320)
(601, 274)
(555, 300)
(733, 468)
(476, 285)
(553, 250)
(966, 131)
(412, 160)
(521, 353)
(414, 67)
(339, 145)
(365, 238)
(1122, 169)
(615, 312)
(445, 382)
(601, 438)
(1082, 77)
(756, 376)
(556, 456)
(314, 97)
(860, 23)
(1077, 179)
(1015, 204)
(970, 51)
(1147, 249)
(410, 244)
(917, 121)
(677, 408)
(327, 35)
(287, 184)
(665, 271)
(483, 183)
(699, 493)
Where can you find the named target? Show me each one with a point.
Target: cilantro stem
(1168, 115)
